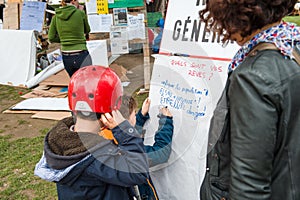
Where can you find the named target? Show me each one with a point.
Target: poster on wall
(119, 40)
(98, 51)
(91, 6)
(126, 3)
(33, 15)
(136, 27)
(102, 7)
(100, 23)
(120, 16)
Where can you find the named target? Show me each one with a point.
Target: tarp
(17, 56)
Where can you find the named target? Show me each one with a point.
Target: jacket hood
(64, 147)
(47, 173)
(65, 12)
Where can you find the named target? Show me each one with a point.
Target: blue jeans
(74, 61)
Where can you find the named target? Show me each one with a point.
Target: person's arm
(142, 116)
(53, 34)
(140, 121)
(127, 163)
(160, 151)
(253, 122)
(87, 28)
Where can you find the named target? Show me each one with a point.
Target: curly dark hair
(227, 17)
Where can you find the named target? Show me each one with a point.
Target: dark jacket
(159, 152)
(254, 138)
(90, 167)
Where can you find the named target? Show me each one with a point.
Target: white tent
(17, 56)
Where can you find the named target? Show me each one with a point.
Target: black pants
(74, 61)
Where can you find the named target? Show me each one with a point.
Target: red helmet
(95, 89)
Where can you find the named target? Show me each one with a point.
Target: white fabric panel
(17, 56)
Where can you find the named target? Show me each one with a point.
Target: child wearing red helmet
(79, 154)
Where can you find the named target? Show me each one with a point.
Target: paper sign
(136, 27)
(33, 15)
(190, 88)
(120, 16)
(98, 52)
(185, 34)
(100, 23)
(102, 6)
(91, 6)
(119, 40)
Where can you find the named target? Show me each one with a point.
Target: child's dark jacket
(86, 166)
(159, 152)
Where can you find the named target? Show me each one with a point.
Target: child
(84, 164)
(160, 151)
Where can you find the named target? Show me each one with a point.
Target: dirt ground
(22, 125)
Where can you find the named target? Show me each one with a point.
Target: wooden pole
(146, 51)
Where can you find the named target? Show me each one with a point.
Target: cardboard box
(11, 16)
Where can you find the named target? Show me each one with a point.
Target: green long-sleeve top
(68, 27)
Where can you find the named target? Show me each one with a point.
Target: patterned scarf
(284, 36)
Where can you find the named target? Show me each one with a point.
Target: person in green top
(69, 27)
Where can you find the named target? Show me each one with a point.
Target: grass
(140, 98)
(12, 93)
(21, 121)
(17, 162)
(292, 19)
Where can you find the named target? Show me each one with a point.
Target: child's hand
(165, 111)
(111, 121)
(146, 106)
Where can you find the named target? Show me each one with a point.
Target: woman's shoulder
(267, 67)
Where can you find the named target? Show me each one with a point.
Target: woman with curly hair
(254, 137)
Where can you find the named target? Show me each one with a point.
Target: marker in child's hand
(160, 114)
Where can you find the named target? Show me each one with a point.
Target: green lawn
(17, 162)
(293, 19)
(18, 158)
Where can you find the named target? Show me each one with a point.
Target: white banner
(190, 84)
(190, 87)
(185, 34)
